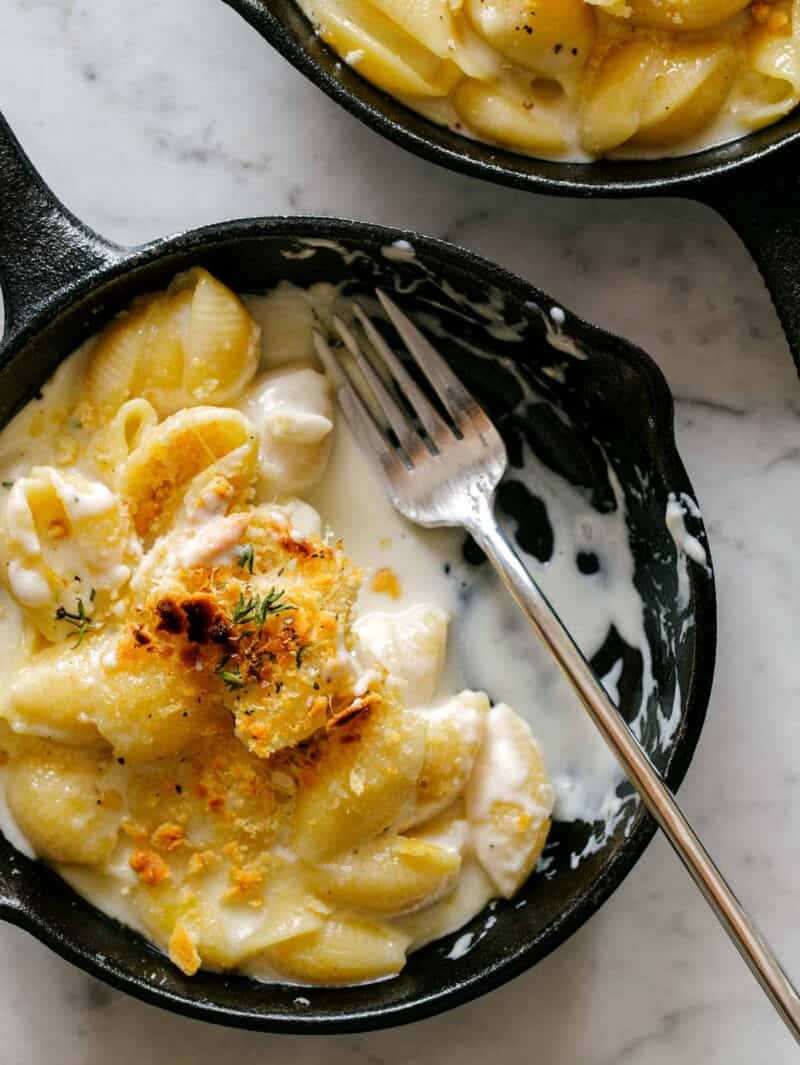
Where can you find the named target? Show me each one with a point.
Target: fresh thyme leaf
(245, 558)
(245, 609)
(258, 608)
(80, 621)
(272, 603)
(232, 680)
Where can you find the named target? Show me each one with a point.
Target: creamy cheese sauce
(490, 647)
(676, 523)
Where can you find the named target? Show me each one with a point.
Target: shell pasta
(201, 728)
(578, 79)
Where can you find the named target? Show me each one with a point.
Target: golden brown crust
(151, 867)
(182, 950)
(264, 638)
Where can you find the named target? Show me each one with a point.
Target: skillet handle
(763, 206)
(44, 248)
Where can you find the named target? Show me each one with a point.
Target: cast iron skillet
(753, 182)
(61, 282)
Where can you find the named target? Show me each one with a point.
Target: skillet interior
(615, 398)
(285, 26)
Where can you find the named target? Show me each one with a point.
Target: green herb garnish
(245, 609)
(257, 608)
(81, 621)
(245, 558)
(232, 680)
(272, 603)
(8, 484)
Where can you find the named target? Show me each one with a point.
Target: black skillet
(61, 282)
(753, 182)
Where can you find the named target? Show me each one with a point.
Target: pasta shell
(195, 343)
(678, 15)
(116, 691)
(222, 348)
(770, 86)
(508, 801)
(361, 784)
(113, 444)
(455, 731)
(66, 802)
(687, 96)
(115, 357)
(424, 20)
(347, 949)
(390, 876)
(387, 55)
(498, 114)
(611, 108)
(552, 38)
(159, 472)
(472, 891)
(160, 370)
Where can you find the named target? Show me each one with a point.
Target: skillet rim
(664, 176)
(696, 697)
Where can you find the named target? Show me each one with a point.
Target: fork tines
(374, 381)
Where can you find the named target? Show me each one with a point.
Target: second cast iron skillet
(61, 283)
(753, 182)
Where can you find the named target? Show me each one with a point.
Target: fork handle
(638, 767)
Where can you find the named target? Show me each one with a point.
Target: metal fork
(445, 471)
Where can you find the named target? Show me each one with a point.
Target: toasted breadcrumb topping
(182, 950)
(386, 582)
(151, 867)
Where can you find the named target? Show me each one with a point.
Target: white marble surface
(149, 117)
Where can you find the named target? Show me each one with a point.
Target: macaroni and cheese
(200, 728)
(578, 79)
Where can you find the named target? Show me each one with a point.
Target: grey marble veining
(150, 117)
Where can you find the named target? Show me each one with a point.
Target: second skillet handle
(763, 206)
(43, 246)
(638, 767)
